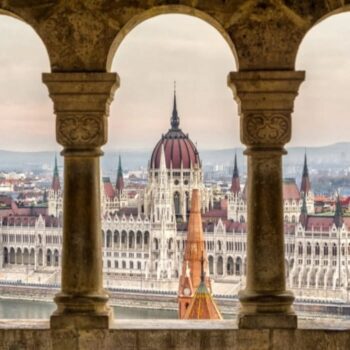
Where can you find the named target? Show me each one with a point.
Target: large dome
(178, 148)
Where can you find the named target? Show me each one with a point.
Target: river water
(22, 309)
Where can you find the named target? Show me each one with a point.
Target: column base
(81, 312)
(258, 321)
(81, 321)
(267, 310)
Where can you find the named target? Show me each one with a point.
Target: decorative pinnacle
(120, 169)
(305, 170)
(55, 172)
(175, 120)
(235, 168)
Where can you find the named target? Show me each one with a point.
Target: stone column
(265, 100)
(81, 104)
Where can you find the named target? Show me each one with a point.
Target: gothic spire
(305, 185)
(175, 120)
(235, 184)
(119, 186)
(56, 186)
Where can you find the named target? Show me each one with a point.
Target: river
(22, 309)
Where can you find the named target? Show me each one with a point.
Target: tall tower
(164, 225)
(190, 278)
(305, 185)
(235, 184)
(55, 203)
(119, 186)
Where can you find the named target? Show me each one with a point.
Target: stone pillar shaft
(265, 100)
(81, 104)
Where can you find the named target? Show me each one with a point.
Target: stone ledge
(167, 334)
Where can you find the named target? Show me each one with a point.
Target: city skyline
(180, 45)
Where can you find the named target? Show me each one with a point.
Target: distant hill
(335, 156)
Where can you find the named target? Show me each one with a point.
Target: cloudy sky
(151, 57)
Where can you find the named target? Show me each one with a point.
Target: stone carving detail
(266, 129)
(80, 131)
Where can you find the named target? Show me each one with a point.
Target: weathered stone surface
(83, 35)
(81, 104)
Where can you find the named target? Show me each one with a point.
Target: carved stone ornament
(80, 131)
(266, 129)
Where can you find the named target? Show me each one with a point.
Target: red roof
(290, 190)
(108, 188)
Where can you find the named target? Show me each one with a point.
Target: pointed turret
(56, 186)
(338, 215)
(202, 306)
(305, 180)
(119, 186)
(175, 120)
(235, 185)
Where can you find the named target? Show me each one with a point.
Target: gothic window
(308, 248)
(317, 249)
(334, 250)
(146, 238)
(219, 266)
(116, 264)
(139, 265)
(131, 265)
(325, 250)
(177, 203)
(211, 265)
(230, 266)
(238, 266)
(300, 249)
(116, 237)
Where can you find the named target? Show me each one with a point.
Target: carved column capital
(81, 104)
(265, 100)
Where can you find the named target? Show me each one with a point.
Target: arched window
(238, 266)
(300, 249)
(325, 250)
(334, 250)
(220, 266)
(211, 265)
(177, 203)
(146, 239)
(317, 249)
(229, 266)
(308, 248)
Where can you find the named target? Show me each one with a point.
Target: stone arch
(138, 239)
(109, 239)
(56, 258)
(49, 257)
(167, 9)
(220, 266)
(131, 240)
(146, 239)
(155, 244)
(238, 267)
(230, 266)
(116, 238)
(211, 264)
(177, 205)
(12, 256)
(19, 256)
(26, 256)
(170, 244)
(32, 257)
(6, 256)
(40, 257)
(124, 240)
